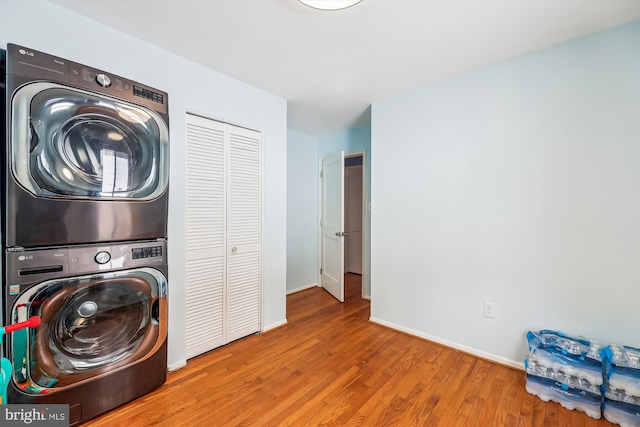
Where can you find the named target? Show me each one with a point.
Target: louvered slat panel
(243, 295)
(204, 305)
(244, 233)
(244, 187)
(205, 186)
(205, 233)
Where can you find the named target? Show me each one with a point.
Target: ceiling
(330, 66)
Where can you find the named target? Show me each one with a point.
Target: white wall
(302, 211)
(517, 184)
(46, 27)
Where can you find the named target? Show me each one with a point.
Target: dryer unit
(102, 340)
(87, 154)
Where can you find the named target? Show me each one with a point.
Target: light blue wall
(349, 141)
(302, 211)
(517, 184)
(191, 87)
(352, 141)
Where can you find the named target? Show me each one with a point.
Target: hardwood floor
(331, 366)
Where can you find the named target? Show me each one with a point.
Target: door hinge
(321, 222)
(321, 272)
(320, 174)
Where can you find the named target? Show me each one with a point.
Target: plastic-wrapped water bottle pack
(566, 370)
(621, 403)
(578, 374)
(570, 398)
(564, 344)
(537, 368)
(622, 368)
(624, 414)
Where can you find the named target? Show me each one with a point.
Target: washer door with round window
(90, 326)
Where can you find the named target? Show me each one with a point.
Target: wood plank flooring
(331, 366)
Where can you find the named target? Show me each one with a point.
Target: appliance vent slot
(39, 270)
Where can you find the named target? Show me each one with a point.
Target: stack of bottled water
(621, 385)
(566, 370)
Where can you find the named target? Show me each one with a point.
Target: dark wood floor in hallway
(330, 366)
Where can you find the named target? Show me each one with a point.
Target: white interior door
(332, 223)
(244, 213)
(205, 239)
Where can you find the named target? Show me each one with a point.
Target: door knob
(337, 233)
(344, 234)
(234, 249)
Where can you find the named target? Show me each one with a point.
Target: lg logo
(23, 257)
(24, 52)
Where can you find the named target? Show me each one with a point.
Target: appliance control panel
(147, 252)
(30, 265)
(116, 256)
(30, 63)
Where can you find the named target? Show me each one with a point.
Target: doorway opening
(353, 221)
(355, 216)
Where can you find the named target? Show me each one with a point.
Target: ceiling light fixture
(329, 4)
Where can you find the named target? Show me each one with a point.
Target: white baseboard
(178, 365)
(274, 325)
(182, 363)
(293, 291)
(455, 345)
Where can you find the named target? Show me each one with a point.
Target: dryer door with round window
(71, 143)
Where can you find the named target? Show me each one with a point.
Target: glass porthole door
(73, 143)
(90, 325)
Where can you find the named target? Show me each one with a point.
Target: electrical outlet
(489, 310)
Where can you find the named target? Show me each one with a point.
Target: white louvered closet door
(205, 239)
(224, 229)
(244, 231)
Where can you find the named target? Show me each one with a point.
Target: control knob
(103, 257)
(103, 80)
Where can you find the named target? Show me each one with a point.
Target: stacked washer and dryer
(84, 227)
